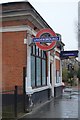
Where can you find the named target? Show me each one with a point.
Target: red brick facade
(14, 58)
(17, 23)
(58, 65)
(14, 51)
(0, 61)
(14, 55)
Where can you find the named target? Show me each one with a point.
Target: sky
(61, 16)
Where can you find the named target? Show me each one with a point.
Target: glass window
(44, 54)
(57, 76)
(38, 71)
(32, 71)
(38, 67)
(43, 72)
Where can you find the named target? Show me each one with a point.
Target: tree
(64, 75)
(78, 74)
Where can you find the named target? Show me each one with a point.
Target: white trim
(53, 80)
(51, 58)
(37, 89)
(60, 71)
(14, 15)
(56, 57)
(58, 84)
(22, 14)
(18, 28)
(38, 21)
(54, 73)
(40, 89)
(28, 78)
(48, 82)
(57, 50)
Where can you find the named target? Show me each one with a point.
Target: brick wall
(57, 64)
(17, 23)
(14, 54)
(0, 61)
(57, 54)
(14, 59)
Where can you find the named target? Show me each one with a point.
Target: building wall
(0, 61)
(16, 6)
(14, 59)
(57, 64)
(79, 30)
(14, 53)
(58, 54)
(17, 23)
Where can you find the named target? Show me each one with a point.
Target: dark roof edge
(6, 2)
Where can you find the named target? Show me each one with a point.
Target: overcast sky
(61, 15)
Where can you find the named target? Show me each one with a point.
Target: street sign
(45, 40)
(40, 39)
(68, 54)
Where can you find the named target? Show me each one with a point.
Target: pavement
(66, 106)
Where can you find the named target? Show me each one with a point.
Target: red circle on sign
(44, 47)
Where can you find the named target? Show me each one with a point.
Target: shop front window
(38, 67)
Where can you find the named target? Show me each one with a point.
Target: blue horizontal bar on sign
(46, 40)
(66, 54)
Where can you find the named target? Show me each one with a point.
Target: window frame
(44, 57)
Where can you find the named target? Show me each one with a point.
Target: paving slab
(63, 107)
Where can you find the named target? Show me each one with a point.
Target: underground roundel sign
(46, 36)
